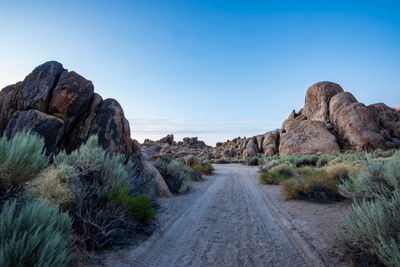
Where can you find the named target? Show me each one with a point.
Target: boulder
(251, 148)
(270, 143)
(10, 101)
(316, 105)
(191, 160)
(169, 139)
(80, 132)
(260, 139)
(110, 124)
(307, 137)
(72, 97)
(37, 87)
(49, 127)
(356, 128)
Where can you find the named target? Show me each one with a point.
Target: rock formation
(333, 120)
(62, 107)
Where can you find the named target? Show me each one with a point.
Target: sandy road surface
(227, 221)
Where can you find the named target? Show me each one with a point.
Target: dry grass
(52, 184)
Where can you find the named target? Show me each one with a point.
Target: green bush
(374, 225)
(175, 174)
(285, 170)
(204, 169)
(139, 206)
(36, 235)
(92, 158)
(278, 173)
(270, 178)
(21, 159)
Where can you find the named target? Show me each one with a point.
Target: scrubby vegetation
(37, 234)
(373, 229)
(307, 177)
(204, 169)
(85, 198)
(176, 175)
(278, 173)
(21, 159)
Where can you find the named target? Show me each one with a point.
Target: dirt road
(227, 221)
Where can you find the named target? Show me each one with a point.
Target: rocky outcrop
(168, 149)
(304, 137)
(343, 124)
(316, 106)
(62, 107)
(48, 126)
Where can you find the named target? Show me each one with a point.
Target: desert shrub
(21, 159)
(252, 161)
(175, 174)
(139, 206)
(204, 169)
(324, 160)
(278, 173)
(92, 158)
(53, 184)
(270, 178)
(285, 170)
(370, 180)
(35, 235)
(319, 185)
(374, 226)
(98, 222)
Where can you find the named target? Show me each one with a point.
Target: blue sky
(212, 69)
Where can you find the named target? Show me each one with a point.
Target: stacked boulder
(62, 107)
(333, 120)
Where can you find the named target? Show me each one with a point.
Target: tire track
(229, 222)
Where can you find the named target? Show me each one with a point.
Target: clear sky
(212, 69)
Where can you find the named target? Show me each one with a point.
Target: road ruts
(229, 223)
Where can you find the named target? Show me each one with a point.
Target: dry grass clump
(319, 185)
(54, 184)
(278, 173)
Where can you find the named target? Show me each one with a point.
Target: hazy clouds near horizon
(212, 69)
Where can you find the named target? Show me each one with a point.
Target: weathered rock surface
(62, 107)
(306, 137)
(354, 126)
(316, 105)
(49, 127)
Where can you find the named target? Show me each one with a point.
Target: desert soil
(231, 220)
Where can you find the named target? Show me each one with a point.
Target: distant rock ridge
(63, 108)
(331, 121)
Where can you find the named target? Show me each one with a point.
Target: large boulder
(270, 143)
(10, 101)
(355, 124)
(112, 127)
(62, 107)
(251, 148)
(307, 137)
(71, 98)
(38, 86)
(80, 132)
(49, 127)
(316, 105)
